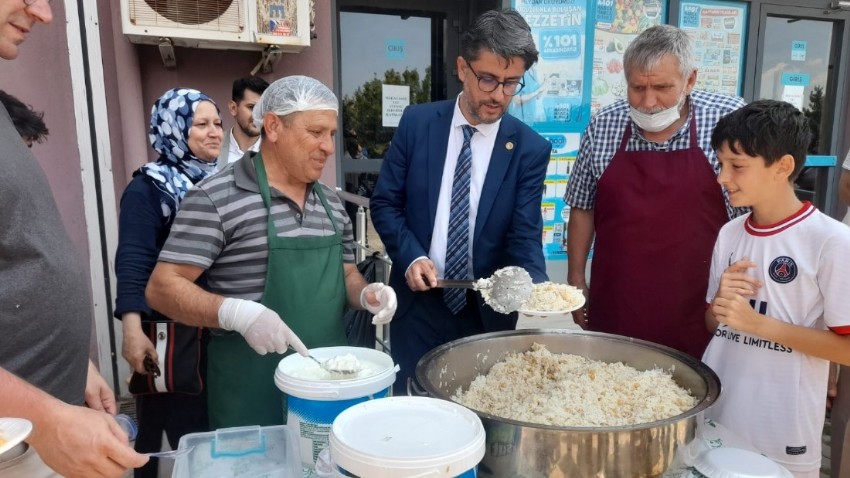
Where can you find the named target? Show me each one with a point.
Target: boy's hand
(731, 305)
(736, 280)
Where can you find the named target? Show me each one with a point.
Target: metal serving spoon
(331, 365)
(505, 291)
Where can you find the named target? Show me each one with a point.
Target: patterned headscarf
(177, 168)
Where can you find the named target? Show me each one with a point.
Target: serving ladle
(331, 365)
(505, 291)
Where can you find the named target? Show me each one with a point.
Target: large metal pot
(520, 449)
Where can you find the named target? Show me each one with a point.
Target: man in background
(244, 136)
(46, 376)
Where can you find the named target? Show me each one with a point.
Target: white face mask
(660, 121)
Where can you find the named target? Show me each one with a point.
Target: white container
(405, 437)
(240, 452)
(314, 404)
(738, 463)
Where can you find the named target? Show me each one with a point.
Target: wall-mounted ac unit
(225, 24)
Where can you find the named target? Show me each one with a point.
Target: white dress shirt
(482, 149)
(233, 149)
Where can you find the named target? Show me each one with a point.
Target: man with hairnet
(277, 249)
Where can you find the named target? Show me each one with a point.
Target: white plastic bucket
(407, 437)
(314, 404)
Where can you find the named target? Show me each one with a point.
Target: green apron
(305, 285)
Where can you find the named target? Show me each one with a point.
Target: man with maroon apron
(277, 247)
(645, 184)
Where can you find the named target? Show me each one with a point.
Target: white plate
(545, 314)
(12, 432)
(738, 463)
(553, 313)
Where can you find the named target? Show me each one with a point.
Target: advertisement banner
(718, 33)
(555, 212)
(618, 22)
(556, 100)
(553, 98)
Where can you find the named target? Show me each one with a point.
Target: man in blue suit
(459, 193)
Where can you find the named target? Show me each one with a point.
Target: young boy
(779, 290)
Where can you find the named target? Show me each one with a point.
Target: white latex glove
(387, 304)
(262, 328)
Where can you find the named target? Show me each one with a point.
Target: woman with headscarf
(185, 130)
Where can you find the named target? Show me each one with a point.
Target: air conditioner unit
(224, 24)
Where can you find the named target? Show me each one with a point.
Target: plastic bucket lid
(328, 390)
(407, 437)
(738, 463)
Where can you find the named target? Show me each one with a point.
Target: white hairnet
(292, 94)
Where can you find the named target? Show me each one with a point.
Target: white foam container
(738, 463)
(314, 404)
(404, 437)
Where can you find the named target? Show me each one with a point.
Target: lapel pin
(509, 146)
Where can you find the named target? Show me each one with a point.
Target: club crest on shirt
(783, 270)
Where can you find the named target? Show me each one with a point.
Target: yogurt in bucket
(405, 437)
(315, 397)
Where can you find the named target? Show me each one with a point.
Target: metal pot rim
(712, 380)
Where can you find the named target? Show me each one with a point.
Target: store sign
(798, 79)
(794, 87)
(798, 50)
(395, 99)
(394, 48)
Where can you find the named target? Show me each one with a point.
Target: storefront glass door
(799, 61)
(377, 51)
(388, 60)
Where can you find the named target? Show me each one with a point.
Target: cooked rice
(572, 391)
(551, 297)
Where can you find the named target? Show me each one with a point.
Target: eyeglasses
(488, 84)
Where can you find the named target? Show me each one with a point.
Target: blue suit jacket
(509, 224)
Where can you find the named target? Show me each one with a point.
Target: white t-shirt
(771, 395)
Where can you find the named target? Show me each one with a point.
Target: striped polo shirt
(603, 135)
(222, 228)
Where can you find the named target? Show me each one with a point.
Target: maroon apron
(657, 216)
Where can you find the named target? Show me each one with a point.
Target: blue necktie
(457, 244)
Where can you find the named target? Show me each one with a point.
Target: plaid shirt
(605, 132)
